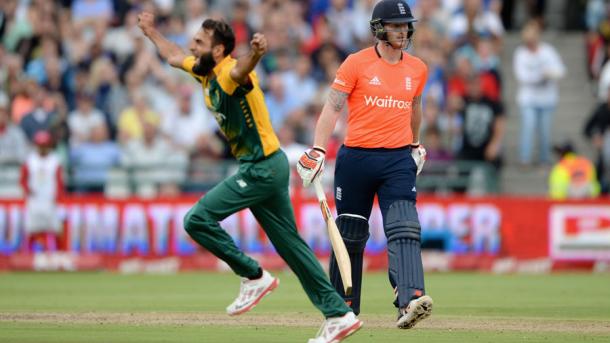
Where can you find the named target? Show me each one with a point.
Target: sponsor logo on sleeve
(340, 82)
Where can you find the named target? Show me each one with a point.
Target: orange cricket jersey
(380, 98)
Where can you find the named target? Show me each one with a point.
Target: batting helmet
(391, 11)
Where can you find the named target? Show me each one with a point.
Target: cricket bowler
(233, 94)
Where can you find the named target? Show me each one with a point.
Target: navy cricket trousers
(361, 173)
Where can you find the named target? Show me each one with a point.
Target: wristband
(320, 149)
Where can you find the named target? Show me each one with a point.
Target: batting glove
(311, 164)
(418, 152)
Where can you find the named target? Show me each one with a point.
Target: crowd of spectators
(82, 70)
(597, 127)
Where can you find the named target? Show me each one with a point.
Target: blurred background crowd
(123, 122)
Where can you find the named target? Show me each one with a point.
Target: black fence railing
(470, 177)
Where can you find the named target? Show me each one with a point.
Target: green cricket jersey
(240, 111)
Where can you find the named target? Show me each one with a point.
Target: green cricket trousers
(263, 188)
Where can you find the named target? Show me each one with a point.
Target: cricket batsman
(381, 155)
(233, 94)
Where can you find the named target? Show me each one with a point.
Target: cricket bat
(345, 266)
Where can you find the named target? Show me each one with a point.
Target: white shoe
(335, 329)
(251, 292)
(417, 310)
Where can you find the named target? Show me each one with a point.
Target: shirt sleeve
(555, 66)
(232, 87)
(346, 77)
(225, 80)
(187, 65)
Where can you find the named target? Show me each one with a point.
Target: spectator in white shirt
(278, 101)
(153, 162)
(85, 11)
(431, 13)
(475, 19)
(361, 17)
(187, 127)
(195, 11)
(13, 143)
(538, 67)
(343, 24)
(92, 160)
(298, 82)
(83, 119)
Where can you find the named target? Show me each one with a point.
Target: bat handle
(317, 185)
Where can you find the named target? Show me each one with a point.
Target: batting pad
(404, 251)
(355, 232)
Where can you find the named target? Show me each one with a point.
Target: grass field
(104, 307)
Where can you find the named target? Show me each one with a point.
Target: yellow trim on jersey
(223, 75)
(254, 98)
(187, 65)
(222, 71)
(256, 101)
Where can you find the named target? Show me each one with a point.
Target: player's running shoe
(336, 329)
(417, 310)
(251, 292)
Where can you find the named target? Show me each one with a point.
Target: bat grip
(317, 185)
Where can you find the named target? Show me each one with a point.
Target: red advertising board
(579, 231)
(464, 233)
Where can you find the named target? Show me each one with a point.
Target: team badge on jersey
(408, 85)
(401, 8)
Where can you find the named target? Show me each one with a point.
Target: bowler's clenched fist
(259, 44)
(146, 20)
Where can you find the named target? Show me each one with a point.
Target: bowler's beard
(204, 65)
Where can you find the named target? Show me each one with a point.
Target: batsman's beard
(399, 44)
